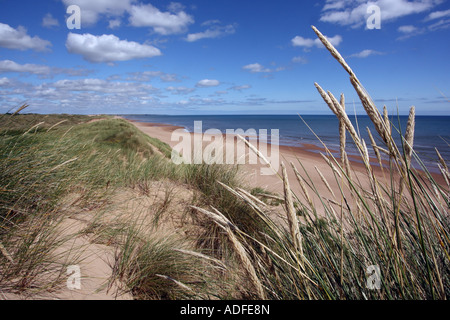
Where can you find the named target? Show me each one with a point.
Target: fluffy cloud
(145, 76)
(11, 66)
(214, 31)
(108, 48)
(299, 41)
(441, 24)
(88, 95)
(101, 86)
(437, 19)
(240, 88)
(300, 60)
(195, 101)
(438, 15)
(173, 21)
(365, 53)
(207, 83)
(115, 23)
(19, 39)
(39, 70)
(48, 21)
(92, 10)
(407, 29)
(442, 16)
(170, 22)
(180, 90)
(4, 81)
(256, 68)
(354, 12)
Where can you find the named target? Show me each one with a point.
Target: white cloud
(83, 95)
(169, 77)
(210, 23)
(165, 23)
(438, 19)
(214, 31)
(442, 16)
(182, 102)
(108, 48)
(176, 7)
(256, 68)
(441, 24)
(438, 15)
(299, 41)
(240, 88)
(115, 23)
(365, 53)
(354, 12)
(206, 102)
(180, 90)
(4, 81)
(48, 21)
(11, 66)
(334, 5)
(40, 70)
(207, 83)
(407, 29)
(173, 21)
(91, 10)
(145, 76)
(19, 39)
(300, 60)
(220, 92)
(101, 86)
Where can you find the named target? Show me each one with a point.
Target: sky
(221, 57)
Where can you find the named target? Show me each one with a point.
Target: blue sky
(221, 57)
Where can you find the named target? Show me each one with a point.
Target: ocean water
(430, 131)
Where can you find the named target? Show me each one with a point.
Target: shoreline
(308, 142)
(252, 172)
(310, 149)
(309, 155)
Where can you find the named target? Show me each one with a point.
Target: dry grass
(399, 222)
(235, 248)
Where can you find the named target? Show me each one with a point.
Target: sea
(299, 131)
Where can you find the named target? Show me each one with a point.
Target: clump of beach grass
(160, 267)
(45, 159)
(398, 222)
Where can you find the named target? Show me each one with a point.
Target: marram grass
(398, 221)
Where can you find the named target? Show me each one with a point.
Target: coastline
(309, 157)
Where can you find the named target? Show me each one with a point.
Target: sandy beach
(309, 157)
(225, 155)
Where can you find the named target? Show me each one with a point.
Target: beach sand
(308, 155)
(97, 258)
(306, 159)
